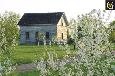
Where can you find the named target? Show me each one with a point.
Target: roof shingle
(40, 18)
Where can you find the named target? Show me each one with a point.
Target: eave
(35, 24)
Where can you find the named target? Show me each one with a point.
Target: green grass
(27, 73)
(37, 73)
(113, 46)
(26, 53)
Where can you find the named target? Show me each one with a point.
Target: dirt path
(26, 67)
(32, 66)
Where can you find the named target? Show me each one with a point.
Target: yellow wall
(61, 29)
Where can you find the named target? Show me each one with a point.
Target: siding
(33, 29)
(55, 30)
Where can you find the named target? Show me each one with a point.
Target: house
(51, 24)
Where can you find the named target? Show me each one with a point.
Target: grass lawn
(26, 53)
(27, 73)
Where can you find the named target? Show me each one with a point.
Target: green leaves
(112, 36)
(9, 32)
(112, 32)
(39, 35)
(9, 21)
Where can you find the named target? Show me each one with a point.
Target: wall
(33, 29)
(62, 29)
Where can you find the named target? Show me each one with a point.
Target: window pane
(27, 35)
(62, 22)
(47, 35)
(36, 34)
(62, 35)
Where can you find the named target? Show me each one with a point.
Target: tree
(112, 32)
(38, 38)
(5, 63)
(92, 59)
(70, 28)
(9, 21)
(69, 39)
(39, 35)
(112, 24)
(89, 46)
(73, 22)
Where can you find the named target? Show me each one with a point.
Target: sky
(72, 8)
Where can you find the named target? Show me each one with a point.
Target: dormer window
(62, 22)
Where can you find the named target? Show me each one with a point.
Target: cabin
(49, 24)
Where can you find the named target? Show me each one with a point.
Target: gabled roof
(40, 18)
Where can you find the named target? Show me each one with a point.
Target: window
(62, 35)
(62, 22)
(36, 34)
(47, 35)
(27, 35)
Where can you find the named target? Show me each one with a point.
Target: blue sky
(72, 8)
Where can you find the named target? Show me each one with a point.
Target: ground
(32, 66)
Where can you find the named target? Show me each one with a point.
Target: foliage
(112, 33)
(70, 38)
(79, 34)
(5, 64)
(39, 35)
(53, 39)
(9, 20)
(89, 49)
(112, 36)
(68, 35)
(112, 24)
(93, 56)
(7, 25)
